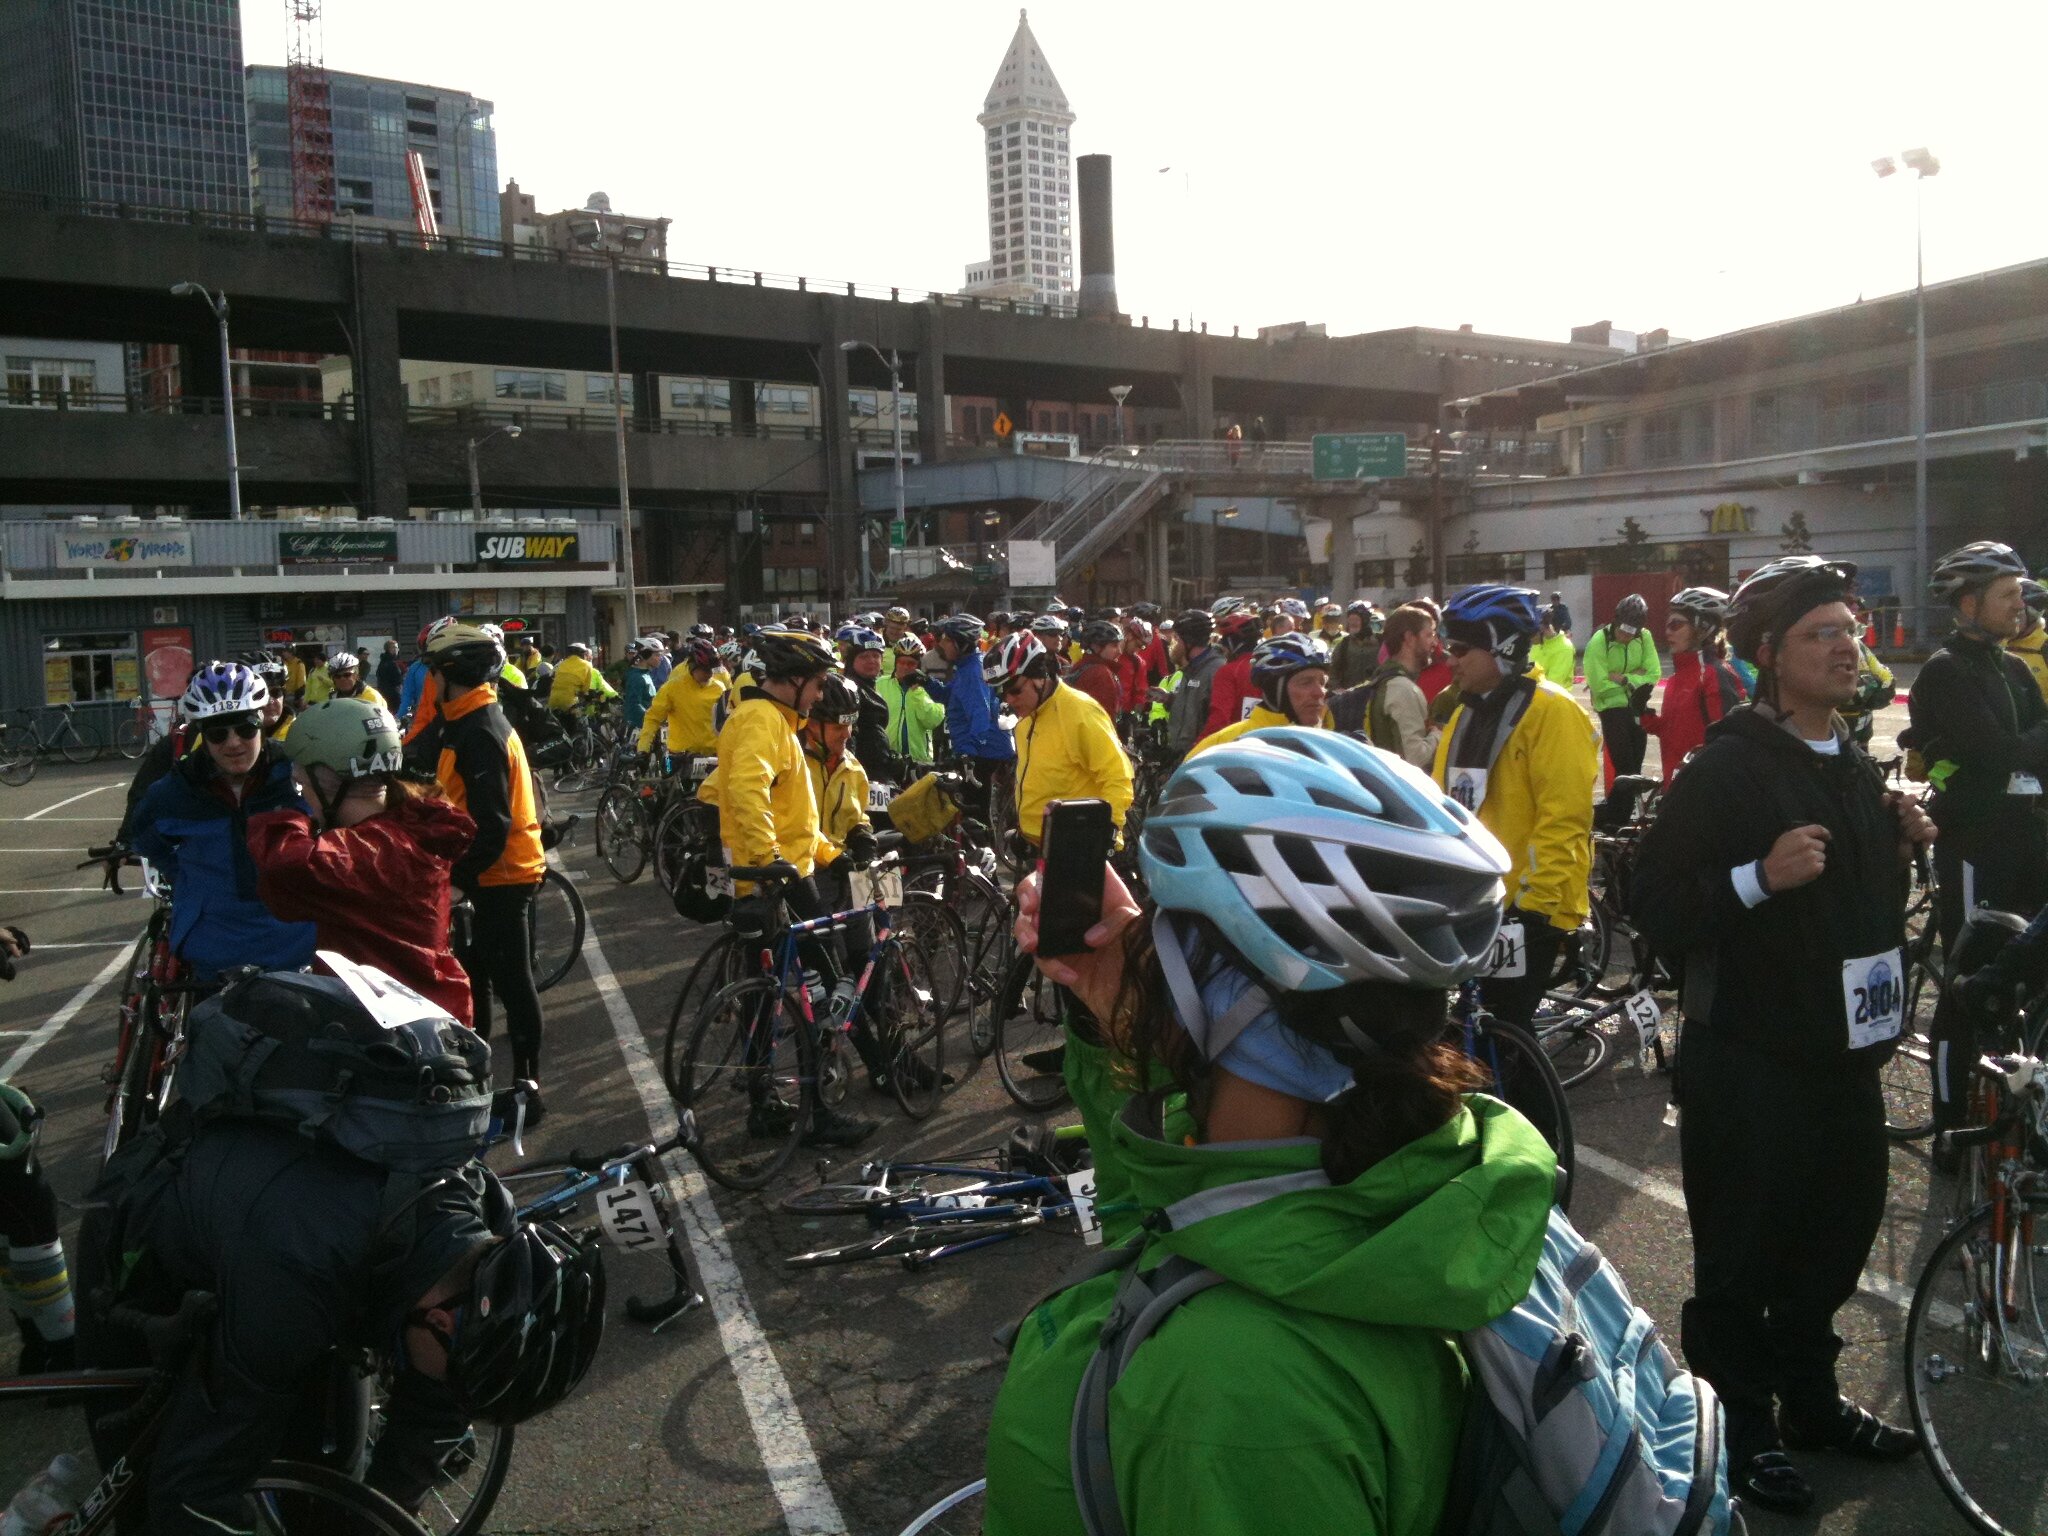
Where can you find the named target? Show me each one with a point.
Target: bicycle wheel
(558, 924)
(1908, 1078)
(748, 1083)
(293, 1496)
(912, 1027)
(910, 1242)
(943, 938)
(1030, 1044)
(686, 829)
(1577, 1050)
(1523, 1077)
(716, 969)
(622, 836)
(75, 747)
(468, 1477)
(130, 1104)
(17, 756)
(131, 737)
(1977, 1370)
(959, 1513)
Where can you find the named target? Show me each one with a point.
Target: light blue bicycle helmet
(1325, 861)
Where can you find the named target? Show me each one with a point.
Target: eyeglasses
(216, 734)
(1826, 634)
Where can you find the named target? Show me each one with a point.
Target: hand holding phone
(1075, 848)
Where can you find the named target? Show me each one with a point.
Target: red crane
(310, 110)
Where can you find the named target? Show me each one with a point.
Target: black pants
(1515, 998)
(499, 959)
(1785, 1173)
(1622, 729)
(28, 1207)
(2007, 874)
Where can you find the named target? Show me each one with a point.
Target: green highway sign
(1360, 455)
(896, 532)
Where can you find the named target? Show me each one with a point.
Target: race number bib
(630, 1220)
(872, 886)
(1081, 1188)
(717, 881)
(697, 769)
(2023, 784)
(1510, 958)
(1468, 787)
(1244, 710)
(1643, 1012)
(879, 796)
(1874, 998)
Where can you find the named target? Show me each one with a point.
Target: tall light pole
(1119, 393)
(1923, 164)
(218, 303)
(895, 367)
(593, 234)
(476, 490)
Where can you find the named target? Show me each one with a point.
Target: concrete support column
(931, 387)
(1197, 388)
(646, 412)
(380, 392)
(743, 413)
(841, 499)
(1343, 548)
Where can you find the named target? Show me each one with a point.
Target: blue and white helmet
(860, 638)
(223, 688)
(1500, 619)
(1325, 861)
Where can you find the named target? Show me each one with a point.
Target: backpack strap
(1102, 1261)
(1143, 1302)
(1511, 714)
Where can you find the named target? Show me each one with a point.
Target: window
(461, 387)
(782, 399)
(864, 404)
(90, 668)
(528, 384)
(1661, 440)
(51, 383)
(597, 389)
(426, 392)
(700, 394)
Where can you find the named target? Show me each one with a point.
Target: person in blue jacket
(970, 702)
(193, 825)
(414, 681)
(639, 685)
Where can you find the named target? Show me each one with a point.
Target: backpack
(407, 1089)
(1578, 1419)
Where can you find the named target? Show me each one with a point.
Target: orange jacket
(482, 770)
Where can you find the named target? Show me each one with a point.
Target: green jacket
(913, 715)
(1320, 1392)
(1615, 669)
(1556, 657)
(1353, 660)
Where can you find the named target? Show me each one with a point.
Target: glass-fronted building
(377, 123)
(132, 101)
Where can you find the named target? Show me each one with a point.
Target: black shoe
(505, 1106)
(915, 1073)
(769, 1120)
(1853, 1430)
(835, 1130)
(41, 1356)
(1769, 1479)
(1051, 1062)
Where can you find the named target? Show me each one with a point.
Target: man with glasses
(1067, 747)
(193, 825)
(1773, 873)
(1621, 673)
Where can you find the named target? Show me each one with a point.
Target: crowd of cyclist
(1353, 810)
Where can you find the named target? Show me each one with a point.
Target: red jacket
(1228, 693)
(1098, 679)
(1695, 696)
(376, 892)
(1435, 678)
(1157, 662)
(1131, 678)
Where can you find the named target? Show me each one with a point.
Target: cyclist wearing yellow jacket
(1522, 756)
(1066, 744)
(1292, 675)
(574, 677)
(2029, 645)
(687, 704)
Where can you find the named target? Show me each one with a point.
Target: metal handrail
(182, 405)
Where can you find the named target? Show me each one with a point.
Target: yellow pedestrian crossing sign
(1003, 425)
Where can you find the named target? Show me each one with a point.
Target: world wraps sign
(123, 551)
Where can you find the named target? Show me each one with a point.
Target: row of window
(48, 382)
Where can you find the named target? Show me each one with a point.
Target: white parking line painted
(41, 815)
(1664, 1192)
(56, 1021)
(808, 1507)
(82, 794)
(50, 890)
(93, 944)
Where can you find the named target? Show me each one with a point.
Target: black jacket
(1770, 976)
(286, 1236)
(1976, 707)
(871, 737)
(160, 759)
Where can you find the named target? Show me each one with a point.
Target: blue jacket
(971, 714)
(639, 691)
(202, 844)
(409, 690)
(664, 664)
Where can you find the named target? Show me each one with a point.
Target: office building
(377, 124)
(126, 101)
(1025, 126)
(593, 226)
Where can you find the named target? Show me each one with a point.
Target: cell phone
(1075, 848)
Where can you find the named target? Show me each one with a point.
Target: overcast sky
(1522, 168)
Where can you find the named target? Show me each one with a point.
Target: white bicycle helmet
(344, 661)
(223, 688)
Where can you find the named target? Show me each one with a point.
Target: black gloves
(1639, 698)
(861, 847)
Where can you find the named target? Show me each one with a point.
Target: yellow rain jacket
(1067, 750)
(687, 707)
(767, 806)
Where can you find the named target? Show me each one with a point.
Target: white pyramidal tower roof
(1025, 81)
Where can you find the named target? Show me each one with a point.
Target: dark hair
(1407, 1087)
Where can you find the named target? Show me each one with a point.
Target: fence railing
(601, 418)
(141, 404)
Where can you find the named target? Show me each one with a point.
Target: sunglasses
(220, 733)
(1014, 686)
(1457, 647)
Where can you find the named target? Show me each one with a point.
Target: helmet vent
(1299, 855)
(1231, 853)
(1165, 846)
(1330, 802)
(1245, 781)
(1297, 935)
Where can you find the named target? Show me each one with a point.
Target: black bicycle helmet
(1280, 658)
(789, 653)
(964, 628)
(1632, 611)
(1974, 567)
(1778, 593)
(1097, 633)
(838, 700)
(529, 1326)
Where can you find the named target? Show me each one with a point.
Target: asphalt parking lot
(823, 1401)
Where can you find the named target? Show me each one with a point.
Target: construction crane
(309, 108)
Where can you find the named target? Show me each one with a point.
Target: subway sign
(526, 549)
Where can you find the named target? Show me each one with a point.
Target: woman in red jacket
(366, 860)
(1101, 655)
(1703, 686)
(1133, 675)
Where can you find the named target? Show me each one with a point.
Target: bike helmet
(1194, 628)
(1972, 568)
(351, 736)
(578, 648)
(1020, 655)
(268, 667)
(223, 688)
(838, 701)
(861, 638)
(530, 1325)
(963, 628)
(468, 654)
(1325, 861)
(789, 653)
(1278, 659)
(426, 629)
(701, 653)
(1051, 627)
(1149, 612)
(344, 661)
(1375, 621)
(1227, 605)
(701, 632)
(733, 657)
(897, 616)
(1138, 630)
(1239, 630)
(2036, 595)
(1706, 607)
(1097, 633)
(1500, 619)
(1293, 607)
(909, 645)
(1632, 612)
(1778, 593)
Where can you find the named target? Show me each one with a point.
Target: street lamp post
(895, 367)
(218, 303)
(593, 235)
(476, 491)
(1119, 393)
(1923, 164)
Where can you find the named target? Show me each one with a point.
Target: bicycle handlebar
(167, 1337)
(111, 858)
(761, 874)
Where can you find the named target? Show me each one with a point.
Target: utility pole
(1437, 580)
(611, 308)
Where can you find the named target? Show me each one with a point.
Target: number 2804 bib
(1874, 998)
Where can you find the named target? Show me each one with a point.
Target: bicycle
(754, 1072)
(288, 1496)
(1977, 1331)
(559, 920)
(23, 745)
(686, 844)
(626, 815)
(1908, 1077)
(960, 875)
(1521, 1074)
(958, 1513)
(138, 732)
